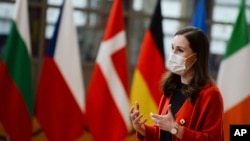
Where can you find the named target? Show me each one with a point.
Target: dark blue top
(176, 101)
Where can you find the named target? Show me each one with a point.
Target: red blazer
(201, 121)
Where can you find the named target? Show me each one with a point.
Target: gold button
(182, 121)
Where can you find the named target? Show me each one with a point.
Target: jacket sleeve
(207, 118)
(152, 134)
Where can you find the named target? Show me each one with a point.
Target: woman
(191, 108)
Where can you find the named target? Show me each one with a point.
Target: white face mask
(177, 64)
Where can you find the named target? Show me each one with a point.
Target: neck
(187, 77)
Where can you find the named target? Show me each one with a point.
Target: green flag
(16, 97)
(234, 74)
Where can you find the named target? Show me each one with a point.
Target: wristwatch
(174, 130)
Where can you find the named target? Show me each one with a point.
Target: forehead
(181, 41)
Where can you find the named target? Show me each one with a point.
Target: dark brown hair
(199, 44)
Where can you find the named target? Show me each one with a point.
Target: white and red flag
(107, 105)
(60, 103)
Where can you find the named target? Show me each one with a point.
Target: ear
(192, 59)
(195, 58)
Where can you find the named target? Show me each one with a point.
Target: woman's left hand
(164, 122)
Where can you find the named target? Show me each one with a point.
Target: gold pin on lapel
(182, 121)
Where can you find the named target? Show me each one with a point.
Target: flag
(200, 16)
(199, 21)
(233, 76)
(16, 91)
(107, 107)
(150, 67)
(60, 103)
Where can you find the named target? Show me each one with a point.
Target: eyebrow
(178, 46)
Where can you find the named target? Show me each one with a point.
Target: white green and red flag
(234, 74)
(16, 91)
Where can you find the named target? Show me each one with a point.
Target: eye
(172, 47)
(177, 49)
(180, 50)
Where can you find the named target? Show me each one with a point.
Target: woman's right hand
(135, 117)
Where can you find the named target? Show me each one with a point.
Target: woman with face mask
(191, 108)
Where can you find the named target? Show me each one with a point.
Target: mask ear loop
(187, 68)
(191, 55)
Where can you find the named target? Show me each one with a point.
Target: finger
(156, 116)
(154, 120)
(137, 106)
(144, 121)
(169, 109)
(134, 114)
(132, 109)
(157, 124)
(138, 118)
